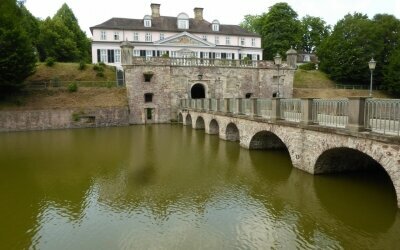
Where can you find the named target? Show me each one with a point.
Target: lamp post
(278, 63)
(371, 65)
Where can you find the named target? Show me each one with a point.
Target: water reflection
(173, 187)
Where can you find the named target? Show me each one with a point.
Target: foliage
(50, 61)
(60, 37)
(100, 74)
(17, 57)
(392, 73)
(307, 66)
(82, 65)
(165, 55)
(314, 30)
(344, 55)
(279, 29)
(72, 87)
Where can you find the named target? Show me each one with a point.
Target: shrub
(102, 64)
(82, 65)
(165, 55)
(72, 87)
(96, 67)
(50, 61)
(307, 66)
(100, 74)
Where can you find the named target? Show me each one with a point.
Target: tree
(314, 31)
(392, 73)
(17, 57)
(344, 55)
(279, 29)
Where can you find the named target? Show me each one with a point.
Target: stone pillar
(239, 106)
(127, 53)
(291, 58)
(306, 111)
(356, 114)
(276, 109)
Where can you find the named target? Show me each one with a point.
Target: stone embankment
(63, 118)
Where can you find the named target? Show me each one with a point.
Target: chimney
(198, 14)
(155, 9)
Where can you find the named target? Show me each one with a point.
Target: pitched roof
(167, 23)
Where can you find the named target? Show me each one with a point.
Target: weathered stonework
(308, 146)
(60, 119)
(171, 82)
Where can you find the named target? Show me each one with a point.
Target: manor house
(178, 37)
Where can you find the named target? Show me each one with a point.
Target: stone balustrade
(355, 114)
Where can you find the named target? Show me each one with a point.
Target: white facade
(209, 40)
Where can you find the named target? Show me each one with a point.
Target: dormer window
(147, 21)
(183, 21)
(215, 25)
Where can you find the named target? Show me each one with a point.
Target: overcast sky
(93, 12)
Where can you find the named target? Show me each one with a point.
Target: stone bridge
(314, 148)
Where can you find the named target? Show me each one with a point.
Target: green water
(171, 187)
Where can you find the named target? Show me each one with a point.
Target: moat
(172, 187)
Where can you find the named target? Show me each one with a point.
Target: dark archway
(232, 132)
(198, 91)
(266, 140)
(180, 118)
(342, 159)
(188, 120)
(200, 123)
(214, 127)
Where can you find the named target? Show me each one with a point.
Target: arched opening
(232, 132)
(188, 120)
(266, 140)
(200, 123)
(363, 196)
(214, 127)
(198, 91)
(180, 118)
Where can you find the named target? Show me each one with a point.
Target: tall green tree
(279, 29)
(17, 55)
(344, 55)
(314, 30)
(392, 73)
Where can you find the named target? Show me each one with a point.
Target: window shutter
(98, 55)
(233, 56)
(201, 55)
(154, 53)
(258, 57)
(143, 53)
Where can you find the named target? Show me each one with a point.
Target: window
(103, 55)
(215, 27)
(162, 36)
(147, 23)
(110, 55)
(135, 36)
(229, 56)
(103, 35)
(116, 36)
(253, 42)
(136, 52)
(183, 24)
(217, 55)
(217, 40)
(228, 40)
(149, 53)
(174, 54)
(204, 37)
(148, 37)
(117, 55)
(148, 97)
(242, 41)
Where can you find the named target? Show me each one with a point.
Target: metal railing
(291, 109)
(383, 116)
(330, 113)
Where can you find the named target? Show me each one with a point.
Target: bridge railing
(383, 116)
(353, 114)
(330, 113)
(291, 109)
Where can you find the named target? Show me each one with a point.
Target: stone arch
(232, 132)
(180, 118)
(198, 91)
(346, 159)
(188, 120)
(200, 124)
(213, 127)
(266, 140)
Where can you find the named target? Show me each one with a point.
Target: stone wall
(59, 119)
(170, 83)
